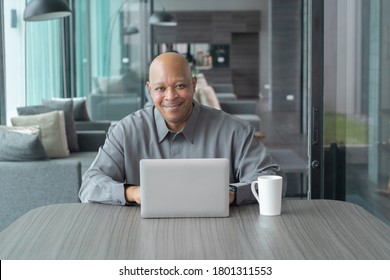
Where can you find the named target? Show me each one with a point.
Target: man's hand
(132, 194)
(231, 197)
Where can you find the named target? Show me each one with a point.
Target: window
(2, 76)
(356, 119)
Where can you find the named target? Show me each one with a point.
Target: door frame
(315, 96)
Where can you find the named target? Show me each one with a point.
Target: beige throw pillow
(53, 131)
(206, 96)
(212, 97)
(201, 81)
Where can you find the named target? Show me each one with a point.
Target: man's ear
(194, 80)
(149, 87)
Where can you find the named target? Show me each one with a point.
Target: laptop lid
(184, 188)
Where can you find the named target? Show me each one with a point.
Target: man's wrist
(132, 194)
(233, 190)
(126, 186)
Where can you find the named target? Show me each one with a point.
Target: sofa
(113, 98)
(243, 109)
(30, 184)
(222, 96)
(31, 174)
(114, 106)
(224, 91)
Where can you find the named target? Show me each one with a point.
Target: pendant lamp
(130, 30)
(45, 10)
(162, 18)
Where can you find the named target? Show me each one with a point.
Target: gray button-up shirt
(208, 133)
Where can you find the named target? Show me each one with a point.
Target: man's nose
(170, 93)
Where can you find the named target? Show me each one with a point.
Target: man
(175, 127)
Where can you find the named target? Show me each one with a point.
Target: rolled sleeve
(118, 194)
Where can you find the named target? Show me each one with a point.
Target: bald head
(170, 61)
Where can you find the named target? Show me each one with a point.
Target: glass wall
(111, 56)
(356, 98)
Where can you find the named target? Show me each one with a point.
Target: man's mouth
(173, 106)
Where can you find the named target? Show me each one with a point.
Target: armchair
(243, 109)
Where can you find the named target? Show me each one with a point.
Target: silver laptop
(184, 188)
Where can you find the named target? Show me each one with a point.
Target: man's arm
(104, 181)
(251, 161)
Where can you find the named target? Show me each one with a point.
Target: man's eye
(180, 86)
(159, 89)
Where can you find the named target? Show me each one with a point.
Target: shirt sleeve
(104, 182)
(251, 161)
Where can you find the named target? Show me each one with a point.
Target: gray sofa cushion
(80, 109)
(66, 105)
(91, 140)
(49, 105)
(33, 110)
(92, 125)
(224, 87)
(21, 144)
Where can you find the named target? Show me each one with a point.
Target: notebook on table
(184, 188)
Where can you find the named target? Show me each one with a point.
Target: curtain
(43, 61)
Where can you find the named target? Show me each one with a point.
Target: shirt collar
(189, 129)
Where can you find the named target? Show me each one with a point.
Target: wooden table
(307, 229)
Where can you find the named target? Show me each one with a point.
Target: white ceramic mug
(269, 194)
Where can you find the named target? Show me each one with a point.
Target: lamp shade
(162, 18)
(45, 10)
(130, 30)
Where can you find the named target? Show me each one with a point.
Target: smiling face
(172, 87)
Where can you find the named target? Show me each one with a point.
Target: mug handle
(253, 188)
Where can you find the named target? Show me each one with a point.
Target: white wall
(14, 59)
